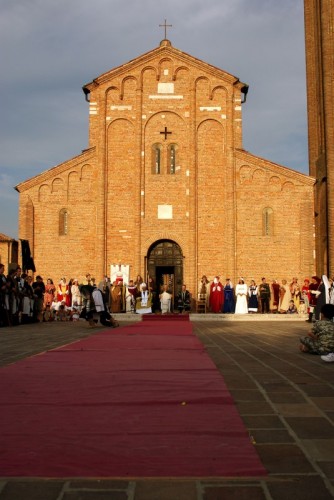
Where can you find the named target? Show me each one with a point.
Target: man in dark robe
(313, 289)
(264, 292)
(183, 300)
(229, 305)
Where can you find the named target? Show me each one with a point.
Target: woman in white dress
(75, 293)
(241, 290)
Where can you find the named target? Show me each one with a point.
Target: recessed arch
(165, 265)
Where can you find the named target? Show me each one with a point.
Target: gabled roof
(274, 167)
(56, 170)
(4, 238)
(165, 49)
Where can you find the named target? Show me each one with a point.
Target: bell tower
(319, 42)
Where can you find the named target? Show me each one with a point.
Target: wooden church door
(165, 266)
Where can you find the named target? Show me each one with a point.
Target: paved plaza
(285, 398)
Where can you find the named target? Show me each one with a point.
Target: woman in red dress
(50, 291)
(63, 292)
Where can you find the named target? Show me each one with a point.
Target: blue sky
(50, 48)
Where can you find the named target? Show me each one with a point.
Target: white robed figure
(165, 301)
(144, 301)
(241, 290)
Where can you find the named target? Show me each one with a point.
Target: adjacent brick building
(165, 185)
(319, 37)
(8, 252)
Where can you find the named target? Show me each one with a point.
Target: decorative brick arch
(126, 82)
(44, 192)
(169, 62)
(178, 70)
(274, 183)
(163, 236)
(166, 112)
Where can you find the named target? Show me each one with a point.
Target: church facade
(165, 186)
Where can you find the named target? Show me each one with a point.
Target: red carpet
(143, 400)
(165, 317)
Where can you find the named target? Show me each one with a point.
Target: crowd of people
(315, 298)
(25, 300)
(265, 297)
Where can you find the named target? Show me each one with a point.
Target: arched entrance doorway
(165, 265)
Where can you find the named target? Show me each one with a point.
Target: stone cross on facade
(165, 132)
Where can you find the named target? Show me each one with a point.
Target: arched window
(63, 222)
(267, 222)
(156, 158)
(172, 149)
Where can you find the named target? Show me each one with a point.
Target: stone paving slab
(285, 398)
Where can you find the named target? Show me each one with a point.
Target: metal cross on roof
(165, 25)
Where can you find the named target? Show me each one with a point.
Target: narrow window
(63, 222)
(267, 222)
(172, 158)
(156, 158)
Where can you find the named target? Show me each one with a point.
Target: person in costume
(313, 292)
(63, 292)
(253, 303)
(204, 290)
(139, 282)
(322, 295)
(151, 286)
(75, 294)
(274, 296)
(229, 304)
(144, 300)
(50, 291)
(295, 291)
(331, 290)
(264, 293)
(306, 287)
(116, 298)
(105, 318)
(241, 290)
(284, 297)
(292, 309)
(216, 295)
(39, 289)
(130, 296)
(28, 300)
(165, 300)
(87, 304)
(321, 338)
(183, 300)
(48, 314)
(63, 313)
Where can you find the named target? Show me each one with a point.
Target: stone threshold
(223, 317)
